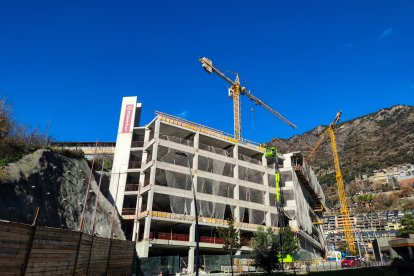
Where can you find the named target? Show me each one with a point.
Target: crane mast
(234, 92)
(346, 219)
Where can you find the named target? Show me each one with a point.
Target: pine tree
(290, 243)
(265, 249)
(407, 224)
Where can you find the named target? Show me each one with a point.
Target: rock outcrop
(57, 184)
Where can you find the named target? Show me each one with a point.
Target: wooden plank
(52, 242)
(13, 242)
(9, 271)
(59, 248)
(17, 227)
(5, 236)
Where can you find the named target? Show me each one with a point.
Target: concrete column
(135, 231)
(197, 140)
(155, 151)
(264, 161)
(268, 219)
(144, 246)
(147, 136)
(138, 210)
(195, 158)
(150, 199)
(195, 163)
(145, 152)
(147, 226)
(191, 254)
(236, 188)
(192, 233)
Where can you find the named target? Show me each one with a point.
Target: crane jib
(237, 89)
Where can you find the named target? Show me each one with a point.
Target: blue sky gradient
(71, 62)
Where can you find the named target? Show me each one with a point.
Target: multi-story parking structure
(156, 165)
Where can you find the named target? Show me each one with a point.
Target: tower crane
(234, 92)
(349, 234)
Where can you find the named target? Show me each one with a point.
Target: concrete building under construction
(153, 171)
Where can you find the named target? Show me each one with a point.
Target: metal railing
(205, 129)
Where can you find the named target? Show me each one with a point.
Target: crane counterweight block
(207, 64)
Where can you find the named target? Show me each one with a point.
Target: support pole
(89, 257)
(112, 225)
(29, 246)
(97, 199)
(81, 225)
(77, 252)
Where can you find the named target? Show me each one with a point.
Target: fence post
(109, 256)
(89, 257)
(133, 260)
(77, 252)
(29, 246)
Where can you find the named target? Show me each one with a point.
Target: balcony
(137, 144)
(177, 140)
(185, 237)
(211, 240)
(131, 187)
(135, 165)
(172, 236)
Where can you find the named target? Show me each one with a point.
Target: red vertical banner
(126, 126)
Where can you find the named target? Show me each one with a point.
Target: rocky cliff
(57, 184)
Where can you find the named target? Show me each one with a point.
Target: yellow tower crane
(234, 92)
(349, 234)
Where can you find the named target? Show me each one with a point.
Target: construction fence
(38, 250)
(178, 265)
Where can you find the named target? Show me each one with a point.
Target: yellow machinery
(234, 92)
(349, 235)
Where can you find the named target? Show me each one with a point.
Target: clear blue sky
(70, 62)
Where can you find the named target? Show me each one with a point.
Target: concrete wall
(39, 250)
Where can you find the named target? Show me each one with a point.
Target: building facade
(366, 226)
(156, 165)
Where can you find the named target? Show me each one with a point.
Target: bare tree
(5, 119)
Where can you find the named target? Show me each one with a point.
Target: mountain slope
(367, 143)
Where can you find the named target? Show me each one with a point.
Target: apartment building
(366, 226)
(156, 165)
